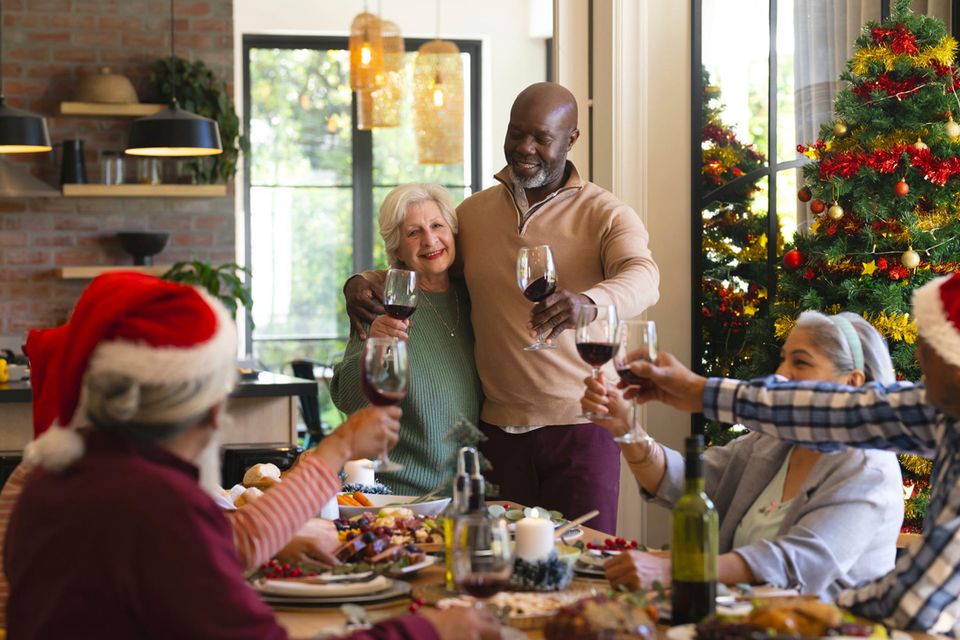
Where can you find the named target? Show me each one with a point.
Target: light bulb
(438, 98)
(366, 55)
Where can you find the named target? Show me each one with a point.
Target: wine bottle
(694, 548)
(456, 508)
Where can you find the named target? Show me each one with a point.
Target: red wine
(399, 311)
(692, 601)
(540, 289)
(596, 353)
(380, 398)
(634, 380)
(481, 585)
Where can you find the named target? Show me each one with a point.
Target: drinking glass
(482, 558)
(638, 341)
(385, 379)
(400, 293)
(537, 277)
(598, 337)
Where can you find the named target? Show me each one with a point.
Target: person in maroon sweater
(113, 536)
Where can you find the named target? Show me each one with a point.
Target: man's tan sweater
(600, 248)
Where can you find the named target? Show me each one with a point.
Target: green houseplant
(201, 91)
(223, 282)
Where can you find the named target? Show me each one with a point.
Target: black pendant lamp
(20, 131)
(173, 131)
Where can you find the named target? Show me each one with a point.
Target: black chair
(309, 404)
(8, 462)
(237, 458)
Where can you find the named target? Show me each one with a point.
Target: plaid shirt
(923, 590)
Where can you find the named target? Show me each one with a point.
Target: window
(314, 184)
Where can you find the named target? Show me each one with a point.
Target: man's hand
(462, 623)
(313, 545)
(674, 384)
(363, 300)
(637, 569)
(601, 398)
(556, 312)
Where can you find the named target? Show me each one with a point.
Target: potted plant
(223, 282)
(200, 91)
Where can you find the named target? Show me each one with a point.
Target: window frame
(361, 143)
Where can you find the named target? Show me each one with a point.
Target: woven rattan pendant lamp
(366, 52)
(173, 131)
(20, 131)
(381, 107)
(438, 101)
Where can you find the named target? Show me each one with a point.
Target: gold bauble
(919, 145)
(953, 129)
(839, 129)
(835, 212)
(910, 259)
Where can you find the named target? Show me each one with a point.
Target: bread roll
(262, 476)
(248, 496)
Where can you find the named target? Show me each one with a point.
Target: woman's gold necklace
(456, 325)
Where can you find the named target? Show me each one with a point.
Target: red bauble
(804, 195)
(901, 188)
(792, 259)
(817, 206)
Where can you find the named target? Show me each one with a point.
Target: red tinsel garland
(886, 84)
(900, 39)
(846, 164)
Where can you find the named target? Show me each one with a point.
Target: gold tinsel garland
(933, 220)
(893, 326)
(917, 465)
(942, 52)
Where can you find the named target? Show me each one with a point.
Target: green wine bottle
(694, 549)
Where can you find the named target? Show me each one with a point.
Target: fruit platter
(392, 540)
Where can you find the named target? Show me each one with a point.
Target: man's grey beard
(209, 461)
(535, 181)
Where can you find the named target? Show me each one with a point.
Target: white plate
(294, 588)
(428, 508)
(689, 632)
(413, 568)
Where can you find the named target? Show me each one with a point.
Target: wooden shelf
(81, 273)
(144, 190)
(105, 109)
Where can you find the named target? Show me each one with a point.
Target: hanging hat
(936, 306)
(152, 331)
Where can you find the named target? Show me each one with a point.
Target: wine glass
(537, 277)
(638, 341)
(385, 379)
(400, 293)
(598, 337)
(482, 557)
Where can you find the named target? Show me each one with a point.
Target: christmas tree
(883, 183)
(734, 245)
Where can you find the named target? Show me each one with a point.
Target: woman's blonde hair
(395, 206)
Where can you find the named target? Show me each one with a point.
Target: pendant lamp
(438, 103)
(381, 107)
(366, 52)
(173, 131)
(20, 131)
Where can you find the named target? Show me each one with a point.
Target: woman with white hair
(418, 225)
(789, 516)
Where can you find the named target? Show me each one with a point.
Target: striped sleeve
(263, 527)
(8, 498)
(826, 415)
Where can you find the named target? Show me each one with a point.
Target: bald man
(542, 453)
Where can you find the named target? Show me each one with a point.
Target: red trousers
(571, 468)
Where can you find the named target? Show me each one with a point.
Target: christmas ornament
(910, 258)
(868, 268)
(901, 188)
(919, 145)
(835, 212)
(804, 195)
(953, 129)
(839, 129)
(817, 206)
(792, 259)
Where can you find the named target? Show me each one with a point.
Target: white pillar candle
(534, 538)
(358, 472)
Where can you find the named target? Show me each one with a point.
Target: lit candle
(534, 538)
(358, 472)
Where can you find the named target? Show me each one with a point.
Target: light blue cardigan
(840, 530)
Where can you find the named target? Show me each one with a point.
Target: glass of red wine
(638, 341)
(400, 293)
(537, 277)
(384, 379)
(482, 556)
(598, 338)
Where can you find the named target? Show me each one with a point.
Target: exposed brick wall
(47, 46)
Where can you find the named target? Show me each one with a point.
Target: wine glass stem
(635, 419)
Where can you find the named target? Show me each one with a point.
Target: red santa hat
(152, 331)
(936, 306)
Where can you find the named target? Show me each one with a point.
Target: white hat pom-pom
(55, 450)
